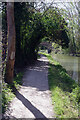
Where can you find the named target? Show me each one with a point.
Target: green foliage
(55, 45)
(7, 91)
(21, 17)
(29, 31)
(18, 80)
(32, 27)
(49, 57)
(56, 27)
(7, 96)
(64, 90)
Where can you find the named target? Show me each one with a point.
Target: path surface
(34, 99)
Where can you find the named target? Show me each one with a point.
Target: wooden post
(11, 43)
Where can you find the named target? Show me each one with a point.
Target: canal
(70, 63)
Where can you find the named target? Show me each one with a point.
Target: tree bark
(11, 43)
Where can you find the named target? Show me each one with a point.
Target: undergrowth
(7, 92)
(65, 91)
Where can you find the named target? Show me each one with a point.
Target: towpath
(33, 100)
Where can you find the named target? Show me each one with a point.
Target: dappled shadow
(36, 76)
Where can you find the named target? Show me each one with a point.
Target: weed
(7, 92)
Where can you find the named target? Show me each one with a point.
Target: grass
(7, 92)
(51, 60)
(65, 91)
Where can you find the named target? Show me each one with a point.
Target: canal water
(71, 64)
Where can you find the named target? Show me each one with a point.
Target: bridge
(48, 45)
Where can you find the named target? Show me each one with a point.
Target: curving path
(34, 98)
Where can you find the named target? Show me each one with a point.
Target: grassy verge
(65, 91)
(7, 94)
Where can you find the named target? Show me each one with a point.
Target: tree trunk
(11, 43)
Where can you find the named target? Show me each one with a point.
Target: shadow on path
(28, 105)
(36, 76)
(37, 113)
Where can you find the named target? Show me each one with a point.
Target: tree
(70, 13)
(32, 26)
(11, 43)
(56, 27)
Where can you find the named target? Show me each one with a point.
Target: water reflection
(71, 64)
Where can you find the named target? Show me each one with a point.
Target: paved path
(34, 99)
